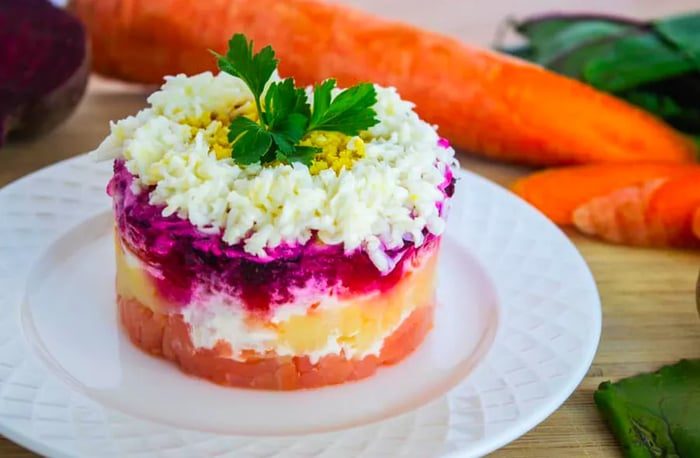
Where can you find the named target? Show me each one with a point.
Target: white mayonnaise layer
(219, 320)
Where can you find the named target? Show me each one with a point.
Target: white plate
(517, 327)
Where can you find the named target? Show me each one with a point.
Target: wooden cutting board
(649, 315)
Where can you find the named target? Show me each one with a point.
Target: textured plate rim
(556, 400)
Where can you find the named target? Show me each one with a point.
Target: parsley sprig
(284, 114)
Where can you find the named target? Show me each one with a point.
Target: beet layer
(188, 259)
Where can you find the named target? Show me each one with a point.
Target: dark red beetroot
(44, 66)
(188, 258)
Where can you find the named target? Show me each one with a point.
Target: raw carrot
(655, 213)
(674, 205)
(486, 103)
(696, 223)
(558, 192)
(620, 216)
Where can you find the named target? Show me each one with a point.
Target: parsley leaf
(249, 139)
(304, 154)
(322, 100)
(288, 132)
(287, 116)
(349, 113)
(282, 100)
(254, 69)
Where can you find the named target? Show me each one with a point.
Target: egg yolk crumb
(215, 127)
(338, 150)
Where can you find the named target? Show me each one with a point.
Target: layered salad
(275, 237)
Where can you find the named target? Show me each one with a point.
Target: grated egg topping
(367, 192)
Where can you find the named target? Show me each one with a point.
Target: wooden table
(649, 315)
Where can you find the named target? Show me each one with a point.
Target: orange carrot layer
(168, 336)
(484, 102)
(558, 192)
(656, 213)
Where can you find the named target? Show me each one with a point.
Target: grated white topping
(389, 194)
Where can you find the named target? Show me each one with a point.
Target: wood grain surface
(649, 315)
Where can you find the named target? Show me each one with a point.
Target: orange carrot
(655, 213)
(696, 223)
(674, 205)
(620, 216)
(484, 102)
(558, 192)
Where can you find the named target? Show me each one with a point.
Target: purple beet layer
(189, 259)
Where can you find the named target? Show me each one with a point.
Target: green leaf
(282, 100)
(568, 51)
(655, 415)
(254, 69)
(634, 61)
(696, 139)
(349, 113)
(280, 156)
(523, 52)
(249, 139)
(287, 114)
(286, 136)
(283, 143)
(569, 31)
(322, 100)
(684, 32)
(539, 30)
(289, 131)
(591, 47)
(304, 154)
(270, 155)
(660, 105)
(685, 117)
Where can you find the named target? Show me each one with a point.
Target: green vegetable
(654, 65)
(254, 69)
(681, 117)
(683, 32)
(347, 113)
(633, 61)
(286, 117)
(551, 38)
(250, 140)
(657, 414)
(568, 54)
